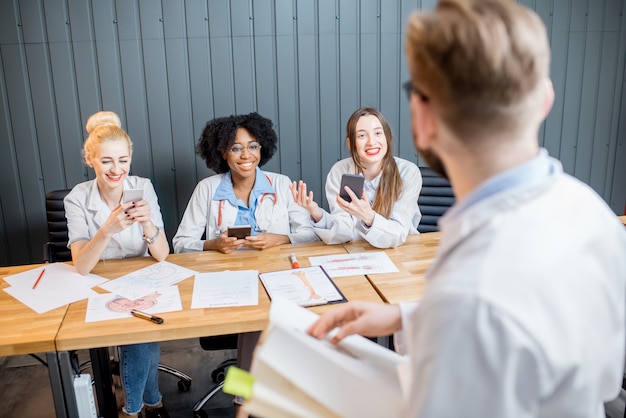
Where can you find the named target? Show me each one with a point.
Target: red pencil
(39, 278)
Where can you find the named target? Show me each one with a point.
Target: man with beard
(523, 315)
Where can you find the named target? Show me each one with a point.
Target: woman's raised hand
(299, 192)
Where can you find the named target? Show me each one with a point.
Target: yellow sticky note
(238, 382)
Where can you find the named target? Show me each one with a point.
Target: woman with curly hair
(385, 212)
(240, 193)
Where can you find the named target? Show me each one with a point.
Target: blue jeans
(138, 372)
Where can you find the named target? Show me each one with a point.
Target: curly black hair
(219, 135)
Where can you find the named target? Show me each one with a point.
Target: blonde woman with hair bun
(101, 225)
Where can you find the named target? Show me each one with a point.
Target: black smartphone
(239, 231)
(354, 182)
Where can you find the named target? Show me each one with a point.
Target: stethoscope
(221, 204)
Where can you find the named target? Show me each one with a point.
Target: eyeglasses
(253, 148)
(410, 89)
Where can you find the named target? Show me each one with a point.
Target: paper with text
(60, 285)
(306, 286)
(355, 264)
(148, 279)
(225, 288)
(102, 307)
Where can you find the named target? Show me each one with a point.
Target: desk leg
(56, 384)
(101, 367)
(66, 379)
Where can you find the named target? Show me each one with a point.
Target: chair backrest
(219, 342)
(434, 200)
(57, 227)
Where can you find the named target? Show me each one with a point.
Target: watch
(150, 241)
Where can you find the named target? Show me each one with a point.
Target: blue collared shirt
(531, 171)
(245, 212)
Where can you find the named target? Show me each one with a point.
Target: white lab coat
(277, 214)
(339, 227)
(524, 310)
(86, 212)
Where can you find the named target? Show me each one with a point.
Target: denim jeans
(138, 372)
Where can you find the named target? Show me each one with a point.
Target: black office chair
(220, 342)
(55, 250)
(434, 200)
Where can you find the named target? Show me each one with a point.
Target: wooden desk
(24, 331)
(412, 259)
(75, 333)
(623, 219)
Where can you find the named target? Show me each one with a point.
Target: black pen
(147, 316)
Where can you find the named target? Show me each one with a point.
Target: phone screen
(239, 231)
(354, 182)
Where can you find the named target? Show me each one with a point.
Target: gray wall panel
(32, 20)
(81, 20)
(167, 67)
(11, 203)
(67, 114)
(45, 135)
(25, 214)
(57, 23)
(10, 24)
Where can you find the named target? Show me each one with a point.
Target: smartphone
(239, 231)
(132, 195)
(354, 182)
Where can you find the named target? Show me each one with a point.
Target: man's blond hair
(481, 63)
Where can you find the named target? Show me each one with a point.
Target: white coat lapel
(99, 210)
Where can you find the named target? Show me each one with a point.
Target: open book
(298, 375)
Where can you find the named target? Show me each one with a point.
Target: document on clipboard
(306, 286)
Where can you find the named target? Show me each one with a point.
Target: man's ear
(548, 98)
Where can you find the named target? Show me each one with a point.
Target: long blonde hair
(390, 186)
(103, 126)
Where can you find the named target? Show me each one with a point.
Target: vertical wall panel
(331, 133)
(182, 135)
(286, 67)
(266, 85)
(308, 103)
(221, 58)
(349, 60)
(200, 76)
(11, 105)
(167, 67)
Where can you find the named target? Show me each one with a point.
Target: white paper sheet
(226, 288)
(306, 286)
(102, 307)
(148, 280)
(60, 273)
(60, 285)
(354, 264)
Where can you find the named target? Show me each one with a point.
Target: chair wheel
(183, 385)
(200, 414)
(218, 375)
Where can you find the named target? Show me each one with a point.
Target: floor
(25, 386)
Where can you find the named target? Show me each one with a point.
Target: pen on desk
(39, 278)
(147, 316)
(294, 261)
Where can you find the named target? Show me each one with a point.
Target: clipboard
(305, 286)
